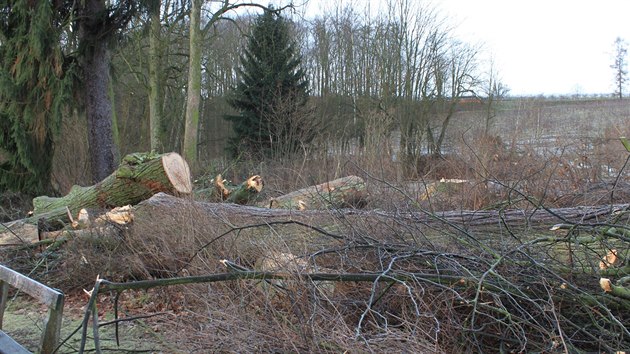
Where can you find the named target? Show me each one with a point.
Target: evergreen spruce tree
(34, 84)
(271, 93)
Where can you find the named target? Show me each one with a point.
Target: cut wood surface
(222, 190)
(240, 194)
(344, 192)
(430, 189)
(138, 177)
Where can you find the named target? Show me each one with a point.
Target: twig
(617, 178)
(88, 311)
(131, 318)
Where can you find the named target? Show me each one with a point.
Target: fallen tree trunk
(515, 217)
(347, 192)
(138, 177)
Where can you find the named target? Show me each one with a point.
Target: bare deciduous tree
(492, 90)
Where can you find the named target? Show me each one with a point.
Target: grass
(23, 321)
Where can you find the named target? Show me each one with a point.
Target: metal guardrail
(54, 299)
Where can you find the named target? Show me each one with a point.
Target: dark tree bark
(100, 22)
(99, 111)
(96, 65)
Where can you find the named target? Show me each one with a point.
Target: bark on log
(614, 289)
(139, 176)
(514, 217)
(344, 192)
(244, 193)
(241, 194)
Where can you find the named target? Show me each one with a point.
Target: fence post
(54, 299)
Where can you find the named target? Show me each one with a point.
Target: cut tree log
(240, 194)
(346, 192)
(442, 186)
(244, 193)
(139, 176)
(514, 217)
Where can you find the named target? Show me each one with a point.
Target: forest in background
(404, 64)
(357, 66)
(399, 76)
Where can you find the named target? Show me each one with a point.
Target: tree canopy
(51, 51)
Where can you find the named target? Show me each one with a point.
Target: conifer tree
(35, 81)
(271, 93)
(620, 66)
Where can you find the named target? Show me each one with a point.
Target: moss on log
(139, 176)
(614, 289)
(244, 193)
(241, 194)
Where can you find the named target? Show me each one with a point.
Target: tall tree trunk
(194, 87)
(96, 66)
(431, 145)
(445, 123)
(155, 90)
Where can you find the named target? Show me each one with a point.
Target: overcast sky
(539, 46)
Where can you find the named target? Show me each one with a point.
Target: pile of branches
(354, 280)
(411, 277)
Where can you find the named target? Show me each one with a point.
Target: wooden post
(4, 294)
(52, 298)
